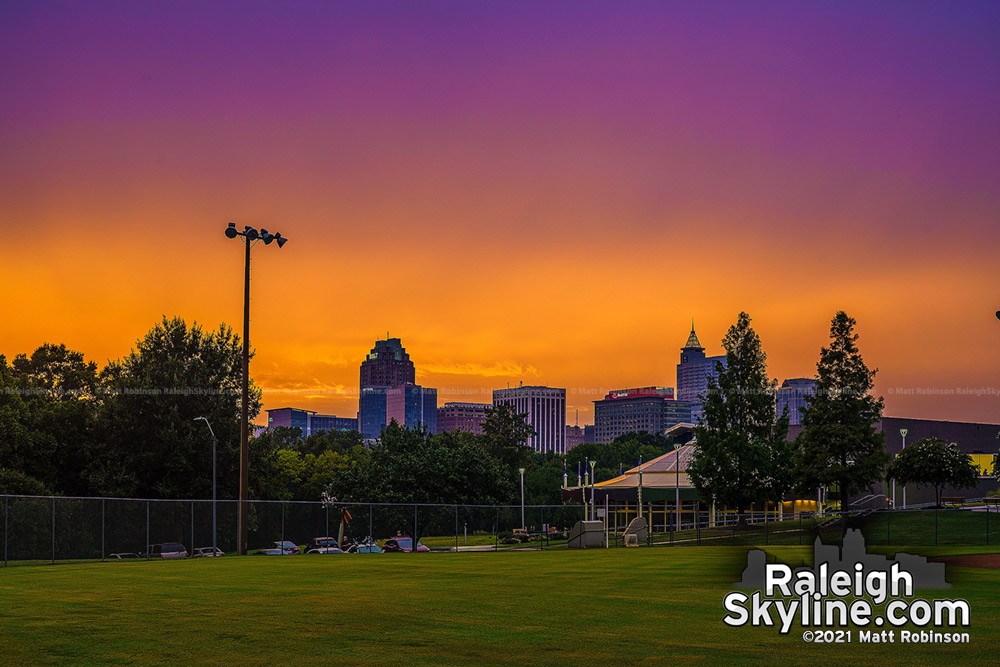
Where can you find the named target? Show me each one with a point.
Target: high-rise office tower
(693, 373)
(545, 408)
(387, 365)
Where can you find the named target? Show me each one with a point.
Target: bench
(954, 501)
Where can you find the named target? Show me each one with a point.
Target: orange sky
(513, 205)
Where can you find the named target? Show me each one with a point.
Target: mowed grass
(654, 605)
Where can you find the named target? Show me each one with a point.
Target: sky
(531, 192)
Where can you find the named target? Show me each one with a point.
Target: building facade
(545, 408)
(468, 417)
(387, 365)
(309, 421)
(372, 411)
(651, 409)
(693, 373)
(412, 406)
(574, 436)
(791, 395)
(389, 391)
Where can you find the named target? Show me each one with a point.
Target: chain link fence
(39, 530)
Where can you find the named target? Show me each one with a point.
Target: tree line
(743, 455)
(130, 430)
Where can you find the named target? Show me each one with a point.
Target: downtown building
(468, 417)
(389, 391)
(309, 421)
(545, 410)
(791, 395)
(650, 409)
(693, 373)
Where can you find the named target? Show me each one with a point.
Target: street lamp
(521, 470)
(215, 551)
(593, 507)
(250, 237)
(903, 433)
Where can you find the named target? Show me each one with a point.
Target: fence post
(192, 528)
(282, 550)
(370, 515)
(413, 542)
(496, 531)
(102, 530)
(53, 530)
(456, 528)
(935, 526)
(6, 501)
(697, 521)
(888, 528)
(327, 509)
(987, 528)
(147, 530)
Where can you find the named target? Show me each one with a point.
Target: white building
(546, 410)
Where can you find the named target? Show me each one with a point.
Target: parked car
(123, 556)
(402, 544)
(207, 552)
(368, 546)
(168, 550)
(323, 545)
(280, 548)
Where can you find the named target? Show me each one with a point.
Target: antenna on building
(578, 417)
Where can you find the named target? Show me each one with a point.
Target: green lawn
(606, 606)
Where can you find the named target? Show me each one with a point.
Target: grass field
(595, 606)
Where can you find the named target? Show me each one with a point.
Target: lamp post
(214, 533)
(903, 433)
(593, 507)
(250, 237)
(521, 470)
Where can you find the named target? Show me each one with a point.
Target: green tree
(411, 466)
(152, 446)
(932, 462)
(839, 443)
(505, 433)
(47, 417)
(742, 454)
(16, 483)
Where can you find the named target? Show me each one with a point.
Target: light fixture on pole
(250, 237)
(215, 550)
(521, 470)
(903, 433)
(593, 507)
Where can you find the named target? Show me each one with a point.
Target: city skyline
(519, 193)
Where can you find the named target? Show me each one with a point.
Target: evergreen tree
(742, 454)
(839, 444)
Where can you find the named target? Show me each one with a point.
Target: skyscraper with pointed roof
(693, 372)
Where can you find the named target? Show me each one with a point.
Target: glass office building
(693, 373)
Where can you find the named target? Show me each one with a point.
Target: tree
(932, 462)
(839, 443)
(505, 433)
(411, 466)
(152, 447)
(741, 453)
(47, 417)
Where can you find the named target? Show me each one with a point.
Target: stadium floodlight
(249, 236)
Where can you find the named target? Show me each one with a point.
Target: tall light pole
(214, 533)
(903, 433)
(593, 507)
(250, 237)
(521, 470)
